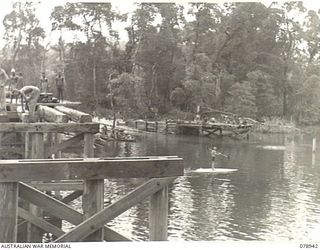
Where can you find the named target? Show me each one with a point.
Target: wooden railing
(26, 213)
(90, 226)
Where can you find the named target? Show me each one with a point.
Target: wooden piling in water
(8, 212)
(93, 194)
(158, 217)
(156, 126)
(34, 234)
(23, 228)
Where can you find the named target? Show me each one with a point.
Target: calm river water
(275, 195)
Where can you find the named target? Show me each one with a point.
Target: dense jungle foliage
(246, 58)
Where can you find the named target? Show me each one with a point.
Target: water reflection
(275, 195)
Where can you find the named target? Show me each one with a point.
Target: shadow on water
(275, 195)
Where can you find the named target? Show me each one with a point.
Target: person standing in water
(214, 154)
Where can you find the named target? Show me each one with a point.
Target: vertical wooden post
(93, 194)
(52, 139)
(49, 142)
(314, 145)
(57, 140)
(166, 127)
(158, 217)
(156, 126)
(8, 212)
(23, 234)
(200, 130)
(27, 146)
(37, 152)
(146, 125)
(136, 122)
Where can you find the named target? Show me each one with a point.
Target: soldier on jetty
(60, 86)
(43, 83)
(31, 95)
(13, 83)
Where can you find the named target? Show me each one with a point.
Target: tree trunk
(285, 105)
(94, 76)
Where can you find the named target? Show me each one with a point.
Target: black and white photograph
(150, 121)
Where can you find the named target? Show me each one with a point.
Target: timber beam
(75, 115)
(74, 195)
(58, 186)
(89, 168)
(52, 115)
(46, 127)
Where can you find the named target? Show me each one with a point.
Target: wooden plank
(98, 220)
(48, 203)
(27, 146)
(89, 168)
(23, 229)
(57, 141)
(75, 115)
(8, 212)
(58, 104)
(46, 127)
(52, 115)
(13, 116)
(61, 186)
(37, 151)
(48, 144)
(93, 195)
(40, 223)
(60, 146)
(92, 203)
(88, 145)
(158, 216)
(61, 210)
(71, 197)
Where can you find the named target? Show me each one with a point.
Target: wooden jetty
(27, 211)
(216, 128)
(193, 127)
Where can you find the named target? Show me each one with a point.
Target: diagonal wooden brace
(95, 222)
(61, 210)
(68, 143)
(39, 222)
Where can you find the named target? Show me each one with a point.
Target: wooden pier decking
(193, 128)
(27, 212)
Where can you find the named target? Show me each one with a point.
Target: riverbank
(272, 125)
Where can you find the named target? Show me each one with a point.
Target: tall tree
(23, 35)
(94, 21)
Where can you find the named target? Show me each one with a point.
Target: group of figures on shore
(17, 89)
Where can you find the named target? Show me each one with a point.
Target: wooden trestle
(24, 183)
